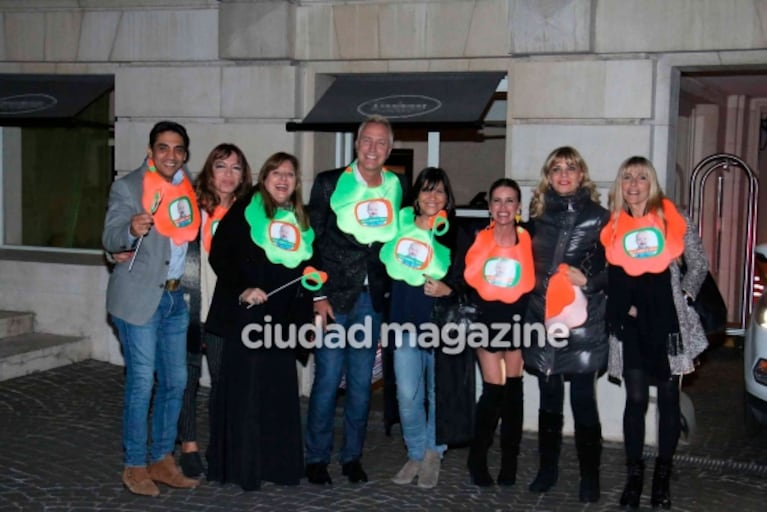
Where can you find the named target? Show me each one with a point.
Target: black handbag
(458, 311)
(709, 304)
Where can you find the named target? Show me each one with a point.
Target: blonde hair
(571, 156)
(377, 119)
(654, 204)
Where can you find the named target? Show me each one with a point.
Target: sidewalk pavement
(60, 451)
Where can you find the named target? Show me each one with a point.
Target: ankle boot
(485, 421)
(588, 444)
(661, 495)
(632, 492)
(549, 444)
(512, 410)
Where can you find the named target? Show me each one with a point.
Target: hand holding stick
(155, 206)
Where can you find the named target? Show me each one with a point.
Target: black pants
(582, 397)
(187, 420)
(669, 424)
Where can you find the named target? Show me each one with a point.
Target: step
(36, 352)
(13, 323)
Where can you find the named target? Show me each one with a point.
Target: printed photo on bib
(501, 272)
(283, 235)
(181, 212)
(643, 243)
(373, 213)
(412, 253)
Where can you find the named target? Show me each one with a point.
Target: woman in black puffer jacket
(565, 221)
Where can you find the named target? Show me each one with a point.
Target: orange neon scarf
(210, 226)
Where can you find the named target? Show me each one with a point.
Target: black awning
(434, 101)
(48, 99)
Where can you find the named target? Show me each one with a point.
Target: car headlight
(760, 371)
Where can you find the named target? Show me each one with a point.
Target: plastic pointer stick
(278, 289)
(155, 206)
(310, 275)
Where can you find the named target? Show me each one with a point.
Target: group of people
(572, 268)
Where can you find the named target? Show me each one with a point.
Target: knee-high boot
(485, 422)
(549, 444)
(511, 430)
(632, 491)
(588, 443)
(661, 494)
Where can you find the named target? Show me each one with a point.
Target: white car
(755, 351)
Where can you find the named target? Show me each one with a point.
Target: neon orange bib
(500, 273)
(210, 226)
(639, 245)
(174, 206)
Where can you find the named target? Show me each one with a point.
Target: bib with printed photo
(641, 244)
(367, 213)
(281, 238)
(500, 273)
(414, 252)
(174, 207)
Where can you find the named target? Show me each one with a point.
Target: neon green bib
(414, 252)
(367, 213)
(281, 238)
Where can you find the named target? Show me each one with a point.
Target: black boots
(634, 480)
(588, 443)
(549, 444)
(661, 496)
(485, 421)
(511, 430)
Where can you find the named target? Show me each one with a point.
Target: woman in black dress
(261, 244)
(495, 266)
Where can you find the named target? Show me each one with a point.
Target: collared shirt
(177, 252)
(361, 181)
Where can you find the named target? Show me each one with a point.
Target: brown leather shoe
(167, 472)
(137, 480)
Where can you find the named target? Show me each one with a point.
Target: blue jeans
(156, 346)
(329, 366)
(414, 372)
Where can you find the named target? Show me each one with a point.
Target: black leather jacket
(568, 232)
(340, 255)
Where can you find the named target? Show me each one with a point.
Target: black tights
(582, 397)
(669, 424)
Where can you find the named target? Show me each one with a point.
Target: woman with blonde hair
(654, 335)
(565, 221)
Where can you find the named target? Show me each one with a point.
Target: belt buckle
(172, 285)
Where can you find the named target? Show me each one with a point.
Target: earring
(518, 217)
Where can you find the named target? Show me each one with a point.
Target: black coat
(345, 260)
(568, 232)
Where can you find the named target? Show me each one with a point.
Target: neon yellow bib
(367, 213)
(414, 252)
(281, 238)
